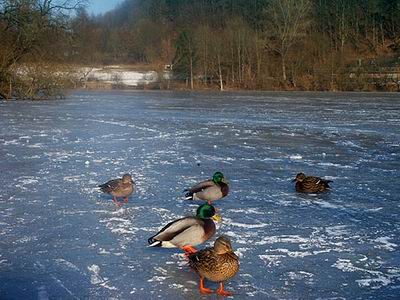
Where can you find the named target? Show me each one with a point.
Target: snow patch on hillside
(117, 75)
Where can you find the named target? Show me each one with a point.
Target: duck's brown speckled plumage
(311, 184)
(119, 188)
(217, 264)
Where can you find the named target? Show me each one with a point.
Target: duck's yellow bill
(217, 218)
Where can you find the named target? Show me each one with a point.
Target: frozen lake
(60, 238)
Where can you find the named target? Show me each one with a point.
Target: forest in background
(224, 44)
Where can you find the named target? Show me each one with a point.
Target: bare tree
(287, 21)
(27, 26)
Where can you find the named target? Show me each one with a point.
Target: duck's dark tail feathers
(104, 188)
(188, 195)
(153, 242)
(326, 183)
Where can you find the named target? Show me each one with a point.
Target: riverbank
(31, 82)
(145, 77)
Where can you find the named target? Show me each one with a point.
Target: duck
(311, 184)
(209, 190)
(218, 264)
(119, 188)
(187, 232)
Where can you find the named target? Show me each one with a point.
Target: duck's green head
(205, 211)
(218, 177)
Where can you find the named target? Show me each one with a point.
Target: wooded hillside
(251, 44)
(239, 44)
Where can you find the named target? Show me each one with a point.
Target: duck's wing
(210, 193)
(110, 186)
(174, 228)
(202, 258)
(224, 189)
(313, 182)
(317, 180)
(200, 186)
(193, 235)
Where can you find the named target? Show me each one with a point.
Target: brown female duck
(311, 184)
(119, 188)
(217, 264)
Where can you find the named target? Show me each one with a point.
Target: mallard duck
(209, 190)
(311, 184)
(185, 233)
(217, 264)
(119, 188)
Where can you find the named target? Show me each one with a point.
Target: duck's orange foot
(224, 293)
(221, 291)
(117, 203)
(189, 249)
(126, 200)
(203, 289)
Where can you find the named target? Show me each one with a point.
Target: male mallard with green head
(187, 232)
(209, 190)
(311, 184)
(217, 264)
(119, 188)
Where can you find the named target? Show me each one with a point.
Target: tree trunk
(283, 67)
(191, 65)
(258, 57)
(232, 64)
(373, 33)
(205, 61)
(239, 62)
(293, 76)
(10, 91)
(342, 31)
(332, 87)
(191, 72)
(220, 73)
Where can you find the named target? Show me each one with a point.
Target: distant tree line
(250, 44)
(243, 44)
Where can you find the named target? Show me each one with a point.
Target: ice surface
(60, 238)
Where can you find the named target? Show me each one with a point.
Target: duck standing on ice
(218, 264)
(187, 232)
(119, 188)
